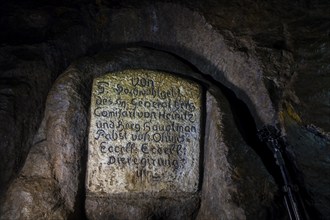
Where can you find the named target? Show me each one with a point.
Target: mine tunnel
(164, 110)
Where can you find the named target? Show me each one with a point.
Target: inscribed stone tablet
(144, 133)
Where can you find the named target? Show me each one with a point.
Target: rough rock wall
(283, 45)
(50, 185)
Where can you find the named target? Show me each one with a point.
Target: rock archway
(177, 30)
(53, 176)
(163, 26)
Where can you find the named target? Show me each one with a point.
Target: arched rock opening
(56, 165)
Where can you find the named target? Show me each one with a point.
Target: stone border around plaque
(144, 134)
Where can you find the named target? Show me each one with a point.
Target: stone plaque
(144, 133)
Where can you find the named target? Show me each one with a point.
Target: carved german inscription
(144, 133)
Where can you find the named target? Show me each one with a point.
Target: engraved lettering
(144, 133)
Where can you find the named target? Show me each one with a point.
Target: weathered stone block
(144, 133)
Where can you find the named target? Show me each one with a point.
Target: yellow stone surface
(144, 133)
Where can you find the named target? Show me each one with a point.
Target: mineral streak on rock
(144, 133)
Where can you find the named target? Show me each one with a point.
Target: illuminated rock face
(144, 134)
